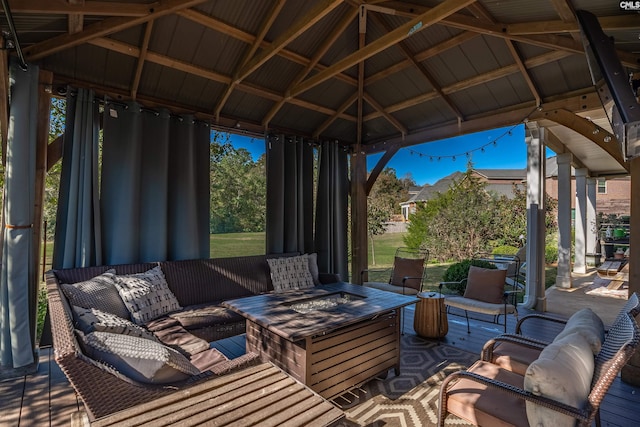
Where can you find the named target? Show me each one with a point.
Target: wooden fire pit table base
(354, 337)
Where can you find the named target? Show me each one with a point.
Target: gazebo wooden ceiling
(378, 74)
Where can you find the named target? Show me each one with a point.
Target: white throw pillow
(289, 273)
(562, 372)
(147, 295)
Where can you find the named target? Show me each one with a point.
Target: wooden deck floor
(46, 398)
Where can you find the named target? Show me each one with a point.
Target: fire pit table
(331, 338)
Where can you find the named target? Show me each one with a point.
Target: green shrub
(505, 250)
(460, 270)
(550, 254)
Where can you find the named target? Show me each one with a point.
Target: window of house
(602, 186)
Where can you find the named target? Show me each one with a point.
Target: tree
(238, 188)
(456, 224)
(384, 201)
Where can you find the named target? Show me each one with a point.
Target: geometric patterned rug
(410, 399)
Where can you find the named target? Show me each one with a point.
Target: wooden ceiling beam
(420, 67)
(144, 49)
(246, 37)
(313, 62)
(75, 21)
(422, 56)
(103, 28)
(416, 24)
(508, 116)
(586, 128)
(95, 8)
(186, 67)
(567, 14)
(259, 38)
(346, 104)
(380, 109)
(310, 19)
(524, 71)
(548, 41)
(620, 22)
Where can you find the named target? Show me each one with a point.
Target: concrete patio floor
(585, 293)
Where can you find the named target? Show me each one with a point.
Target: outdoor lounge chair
(566, 385)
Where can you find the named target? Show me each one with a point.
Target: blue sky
(508, 152)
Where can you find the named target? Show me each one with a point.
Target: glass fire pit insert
(324, 302)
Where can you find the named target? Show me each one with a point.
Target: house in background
(613, 194)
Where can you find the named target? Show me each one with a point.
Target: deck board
(48, 388)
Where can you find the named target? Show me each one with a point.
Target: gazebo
(353, 77)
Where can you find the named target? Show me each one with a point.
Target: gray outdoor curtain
(78, 241)
(18, 284)
(331, 210)
(155, 186)
(289, 225)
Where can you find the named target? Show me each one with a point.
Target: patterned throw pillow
(147, 295)
(99, 292)
(142, 360)
(90, 320)
(290, 273)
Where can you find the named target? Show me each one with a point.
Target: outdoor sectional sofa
(199, 287)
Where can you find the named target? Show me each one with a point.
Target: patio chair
(405, 277)
(488, 290)
(565, 387)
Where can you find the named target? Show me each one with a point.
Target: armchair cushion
(562, 372)
(587, 323)
(485, 284)
(407, 267)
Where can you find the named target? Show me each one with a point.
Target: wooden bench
(261, 395)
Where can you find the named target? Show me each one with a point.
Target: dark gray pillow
(99, 292)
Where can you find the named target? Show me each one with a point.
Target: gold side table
(430, 320)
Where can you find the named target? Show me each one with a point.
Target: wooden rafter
(467, 23)
(103, 28)
(328, 42)
(380, 109)
(484, 15)
(566, 13)
(623, 22)
(346, 104)
(416, 24)
(583, 101)
(130, 50)
(246, 37)
(271, 16)
(141, 58)
(75, 20)
(421, 68)
(311, 18)
(586, 128)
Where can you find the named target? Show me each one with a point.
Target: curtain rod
(12, 28)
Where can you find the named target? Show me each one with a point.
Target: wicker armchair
(501, 397)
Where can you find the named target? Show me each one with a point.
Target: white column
(580, 257)
(593, 246)
(535, 289)
(563, 279)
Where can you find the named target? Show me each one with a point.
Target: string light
(481, 148)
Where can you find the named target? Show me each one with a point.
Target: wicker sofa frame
(105, 391)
